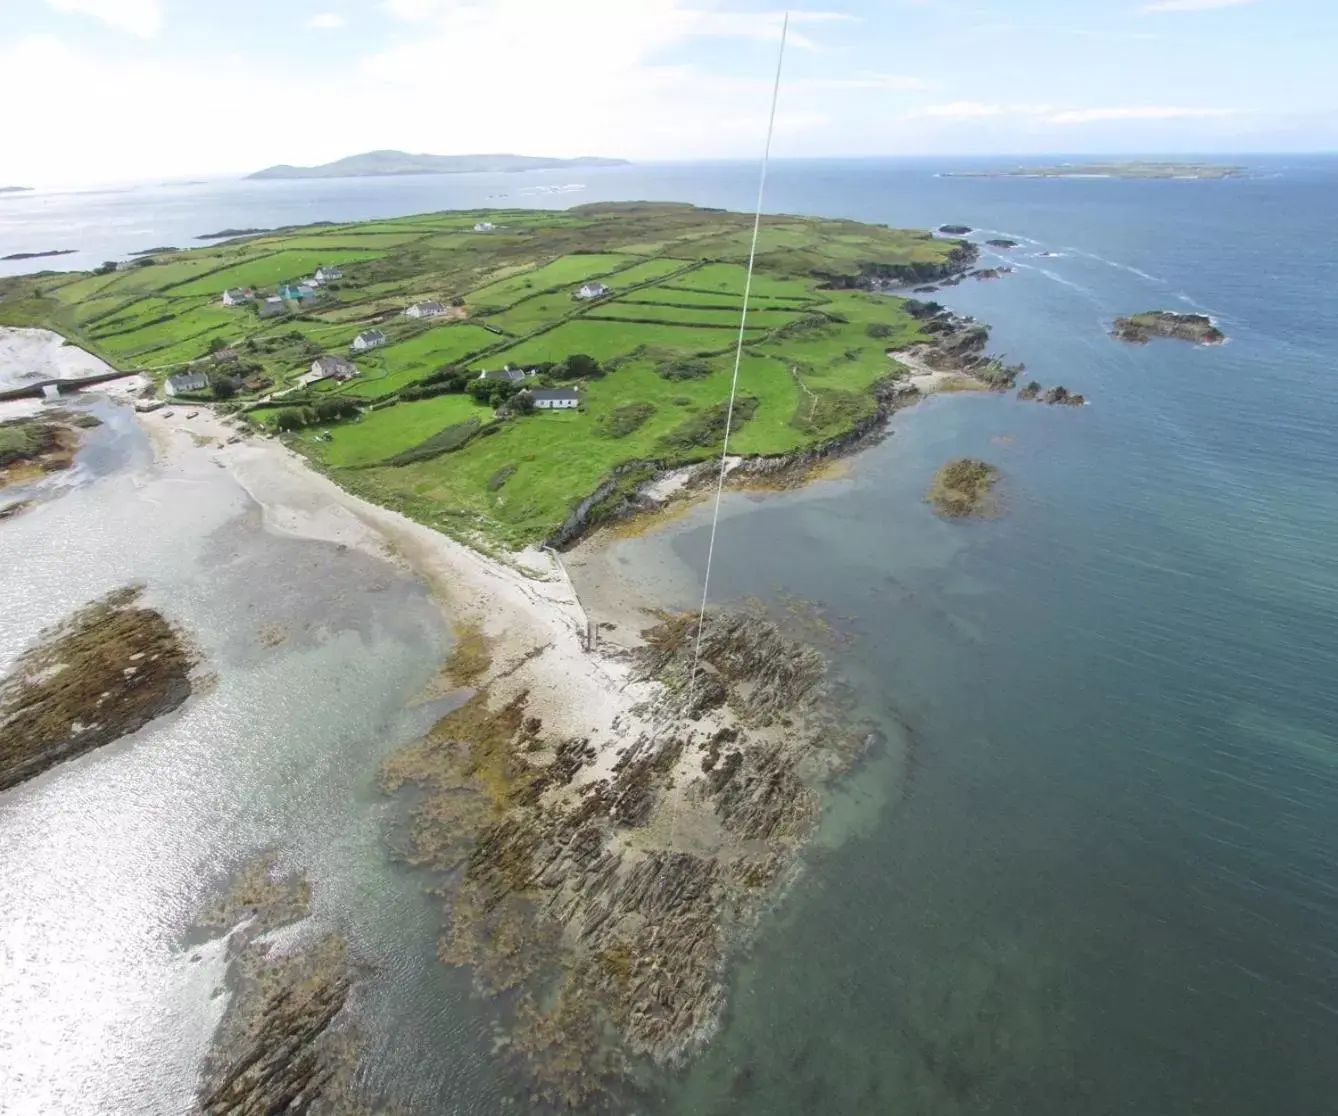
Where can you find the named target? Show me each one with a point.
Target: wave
(1119, 266)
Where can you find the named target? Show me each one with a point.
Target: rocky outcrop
(33, 446)
(282, 1046)
(1002, 243)
(606, 905)
(964, 489)
(108, 671)
(955, 230)
(1055, 396)
(1139, 329)
(881, 277)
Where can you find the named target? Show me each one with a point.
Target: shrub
(581, 366)
(499, 478)
(624, 420)
(880, 331)
(684, 368)
(444, 441)
(706, 428)
(225, 387)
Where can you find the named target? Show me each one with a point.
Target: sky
(102, 90)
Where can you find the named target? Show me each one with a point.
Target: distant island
(373, 164)
(40, 255)
(16, 189)
(1110, 170)
(1139, 329)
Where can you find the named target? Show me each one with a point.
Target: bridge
(38, 388)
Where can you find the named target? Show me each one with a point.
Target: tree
(105, 268)
(225, 387)
(581, 366)
(217, 344)
(522, 403)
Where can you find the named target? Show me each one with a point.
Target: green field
(666, 338)
(385, 433)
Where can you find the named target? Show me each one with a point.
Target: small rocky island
(964, 489)
(1139, 329)
(1055, 396)
(955, 230)
(1002, 243)
(33, 446)
(108, 671)
(40, 255)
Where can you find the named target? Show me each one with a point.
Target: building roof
(503, 374)
(236, 292)
(554, 395)
(332, 364)
(371, 335)
(329, 271)
(222, 356)
(428, 307)
(188, 381)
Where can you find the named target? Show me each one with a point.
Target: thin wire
(738, 361)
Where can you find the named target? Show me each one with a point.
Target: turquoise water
(1094, 869)
(1110, 883)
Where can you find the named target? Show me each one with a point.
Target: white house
(558, 399)
(184, 382)
(484, 226)
(425, 310)
(236, 297)
(592, 290)
(368, 339)
(329, 368)
(327, 275)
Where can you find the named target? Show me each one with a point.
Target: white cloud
(1192, 5)
(864, 79)
(970, 110)
(327, 21)
(1141, 112)
(139, 17)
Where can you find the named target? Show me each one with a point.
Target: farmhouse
(327, 275)
(558, 399)
(236, 297)
(329, 368)
(484, 226)
(425, 310)
(184, 382)
(272, 307)
(591, 290)
(368, 339)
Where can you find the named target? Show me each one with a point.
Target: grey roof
(512, 374)
(555, 395)
(371, 335)
(332, 364)
(188, 381)
(236, 292)
(429, 307)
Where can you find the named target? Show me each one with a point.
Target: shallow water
(107, 858)
(1093, 868)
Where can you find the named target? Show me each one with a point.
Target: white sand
(38, 354)
(518, 608)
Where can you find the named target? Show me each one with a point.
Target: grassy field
(666, 337)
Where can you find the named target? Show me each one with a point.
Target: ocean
(1092, 868)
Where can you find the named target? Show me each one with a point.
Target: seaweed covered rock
(1139, 329)
(108, 671)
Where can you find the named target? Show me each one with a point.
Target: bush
(625, 420)
(684, 368)
(880, 331)
(225, 387)
(581, 366)
(499, 478)
(445, 441)
(706, 429)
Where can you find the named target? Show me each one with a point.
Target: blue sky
(126, 89)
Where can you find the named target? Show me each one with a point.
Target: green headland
(416, 428)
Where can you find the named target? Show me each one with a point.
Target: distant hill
(16, 189)
(377, 163)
